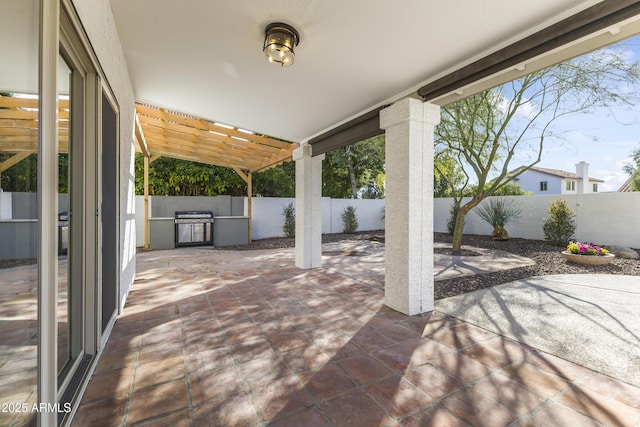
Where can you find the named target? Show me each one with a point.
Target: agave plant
(498, 214)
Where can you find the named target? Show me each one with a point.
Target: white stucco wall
(606, 218)
(602, 218)
(530, 181)
(20, 73)
(267, 215)
(268, 219)
(369, 213)
(98, 21)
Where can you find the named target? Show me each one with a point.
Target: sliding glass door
(19, 263)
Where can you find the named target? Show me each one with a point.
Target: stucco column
(409, 125)
(308, 207)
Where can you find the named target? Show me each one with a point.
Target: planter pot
(588, 259)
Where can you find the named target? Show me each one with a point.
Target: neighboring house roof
(626, 187)
(554, 172)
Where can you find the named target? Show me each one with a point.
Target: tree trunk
(457, 231)
(352, 174)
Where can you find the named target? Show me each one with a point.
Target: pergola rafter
(159, 133)
(173, 134)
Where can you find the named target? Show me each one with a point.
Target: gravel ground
(546, 256)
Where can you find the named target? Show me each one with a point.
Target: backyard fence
(603, 218)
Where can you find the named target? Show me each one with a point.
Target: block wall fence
(602, 218)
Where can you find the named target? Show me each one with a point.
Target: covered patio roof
(19, 128)
(162, 132)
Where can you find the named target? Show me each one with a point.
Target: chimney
(582, 171)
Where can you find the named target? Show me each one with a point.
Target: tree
(279, 181)
(174, 177)
(633, 169)
(21, 177)
(484, 132)
(347, 170)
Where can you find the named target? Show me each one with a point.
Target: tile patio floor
(217, 338)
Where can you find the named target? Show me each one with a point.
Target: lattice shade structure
(172, 134)
(166, 133)
(159, 132)
(19, 128)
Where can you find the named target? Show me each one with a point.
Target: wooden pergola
(159, 132)
(19, 128)
(162, 132)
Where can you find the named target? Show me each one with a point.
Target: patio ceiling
(163, 132)
(204, 57)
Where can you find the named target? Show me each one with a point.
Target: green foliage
(21, 177)
(508, 189)
(375, 189)
(349, 220)
(448, 177)
(498, 214)
(633, 169)
(559, 225)
(348, 170)
(279, 181)
(289, 227)
(635, 182)
(174, 177)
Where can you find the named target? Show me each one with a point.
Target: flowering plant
(585, 249)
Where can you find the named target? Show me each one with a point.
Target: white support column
(409, 125)
(308, 207)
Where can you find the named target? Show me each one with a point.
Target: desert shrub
(498, 214)
(559, 225)
(349, 220)
(289, 227)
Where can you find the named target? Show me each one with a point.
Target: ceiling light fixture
(280, 41)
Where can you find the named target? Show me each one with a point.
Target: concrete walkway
(592, 320)
(490, 261)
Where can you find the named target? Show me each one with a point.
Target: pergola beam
(158, 133)
(142, 142)
(204, 136)
(146, 202)
(13, 160)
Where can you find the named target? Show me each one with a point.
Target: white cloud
(611, 172)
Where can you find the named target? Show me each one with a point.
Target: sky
(600, 139)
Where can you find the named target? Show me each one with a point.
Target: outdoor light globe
(280, 41)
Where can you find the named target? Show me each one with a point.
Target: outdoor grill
(193, 228)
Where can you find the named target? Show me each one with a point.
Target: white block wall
(268, 219)
(602, 218)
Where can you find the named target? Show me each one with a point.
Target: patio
(245, 338)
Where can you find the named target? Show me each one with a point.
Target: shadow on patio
(239, 338)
